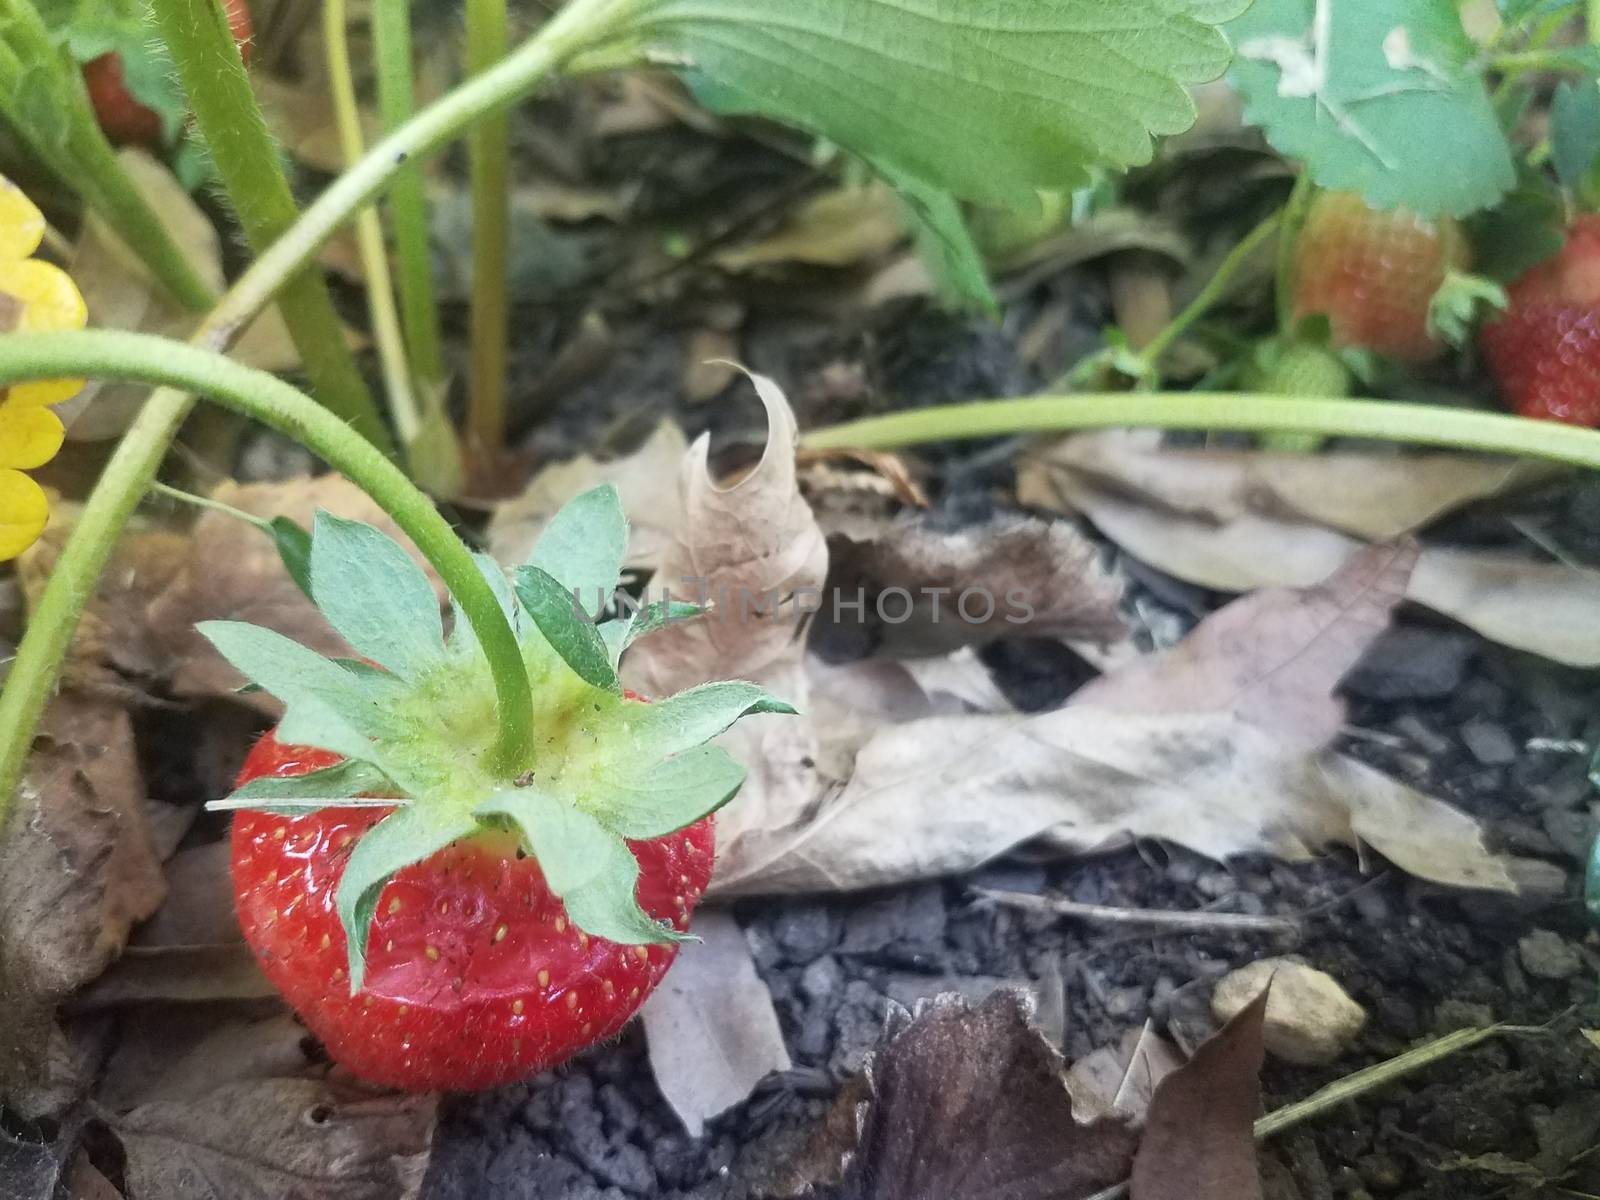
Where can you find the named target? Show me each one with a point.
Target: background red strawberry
(1373, 274)
(475, 975)
(1545, 351)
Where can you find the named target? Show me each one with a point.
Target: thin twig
(1155, 918)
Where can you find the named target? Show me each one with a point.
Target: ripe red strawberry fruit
(123, 119)
(1545, 351)
(475, 974)
(1373, 274)
(445, 906)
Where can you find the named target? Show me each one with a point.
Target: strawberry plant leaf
(583, 546)
(407, 836)
(667, 797)
(377, 598)
(554, 610)
(345, 782)
(946, 245)
(1575, 136)
(986, 99)
(589, 867)
(328, 707)
(294, 550)
(1383, 99)
(1523, 230)
(692, 718)
(622, 632)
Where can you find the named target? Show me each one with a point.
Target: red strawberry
(530, 880)
(1545, 351)
(475, 976)
(1373, 274)
(127, 122)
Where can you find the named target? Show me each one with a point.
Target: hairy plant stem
(408, 206)
(1422, 424)
(581, 25)
(146, 358)
(248, 162)
(78, 154)
(488, 153)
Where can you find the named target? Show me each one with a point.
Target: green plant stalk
(1293, 219)
(213, 76)
(1214, 290)
(83, 159)
(580, 25)
(147, 358)
(408, 207)
(488, 154)
(1422, 424)
(157, 488)
(369, 234)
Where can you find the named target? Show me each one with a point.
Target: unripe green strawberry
(1373, 274)
(1297, 366)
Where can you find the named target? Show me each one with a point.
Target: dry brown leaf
(711, 1028)
(232, 572)
(928, 591)
(647, 481)
(302, 119)
(1379, 497)
(964, 1103)
(1274, 657)
(1488, 591)
(836, 229)
(959, 791)
(77, 871)
(754, 549)
(1199, 1139)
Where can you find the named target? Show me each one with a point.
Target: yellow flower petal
(21, 222)
(30, 435)
(23, 513)
(42, 298)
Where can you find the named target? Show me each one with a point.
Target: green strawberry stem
(489, 163)
(145, 358)
(575, 32)
(408, 206)
(1214, 290)
(251, 169)
(1422, 424)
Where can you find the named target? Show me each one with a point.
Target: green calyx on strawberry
(436, 922)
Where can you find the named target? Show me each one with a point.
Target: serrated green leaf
(345, 783)
(377, 598)
(294, 550)
(666, 797)
(621, 632)
(1575, 135)
(688, 720)
(1385, 99)
(986, 99)
(589, 867)
(553, 609)
(406, 836)
(583, 546)
(327, 707)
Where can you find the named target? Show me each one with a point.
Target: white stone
(1311, 1020)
